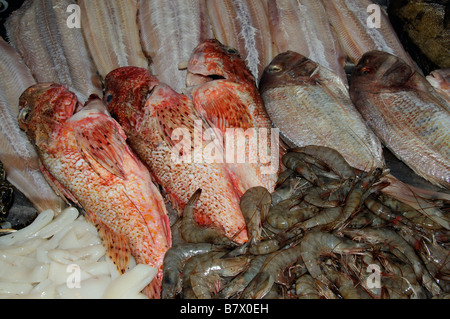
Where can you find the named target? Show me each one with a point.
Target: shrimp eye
(275, 68)
(108, 98)
(232, 51)
(367, 70)
(24, 114)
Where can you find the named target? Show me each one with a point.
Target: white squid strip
(131, 283)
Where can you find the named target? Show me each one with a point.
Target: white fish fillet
(350, 20)
(53, 51)
(170, 30)
(17, 154)
(111, 33)
(302, 26)
(244, 25)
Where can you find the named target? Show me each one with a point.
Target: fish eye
(24, 114)
(275, 68)
(367, 70)
(108, 98)
(232, 51)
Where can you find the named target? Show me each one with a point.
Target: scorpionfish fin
(176, 111)
(117, 246)
(57, 187)
(224, 105)
(102, 138)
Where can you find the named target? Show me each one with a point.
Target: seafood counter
(222, 150)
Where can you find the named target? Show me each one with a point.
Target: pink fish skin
(225, 94)
(86, 157)
(150, 112)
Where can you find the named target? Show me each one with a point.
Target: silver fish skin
(311, 106)
(244, 25)
(350, 19)
(53, 51)
(302, 26)
(403, 109)
(17, 154)
(111, 32)
(170, 31)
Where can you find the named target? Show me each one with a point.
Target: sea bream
(168, 134)
(311, 106)
(406, 113)
(225, 94)
(86, 156)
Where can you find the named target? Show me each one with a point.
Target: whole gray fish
(170, 30)
(53, 51)
(111, 33)
(17, 154)
(311, 106)
(303, 27)
(403, 109)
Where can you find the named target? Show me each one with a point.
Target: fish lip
(199, 78)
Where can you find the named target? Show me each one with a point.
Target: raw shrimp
(333, 159)
(239, 283)
(318, 197)
(291, 187)
(385, 213)
(316, 244)
(356, 198)
(174, 260)
(436, 259)
(366, 218)
(296, 162)
(265, 247)
(408, 212)
(255, 205)
(324, 217)
(305, 287)
(271, 272)
(206, 276)
(345, 285)
(190, 265)
(283, 219)
(192, 233)
(394, 243)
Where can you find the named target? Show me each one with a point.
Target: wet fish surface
(151, 113)
(53, 51)
(225, 94)
(311, 106)
(406, 113)
(86, 156)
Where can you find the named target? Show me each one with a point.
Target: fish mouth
(196, 79)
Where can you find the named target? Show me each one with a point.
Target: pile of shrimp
(327, 231)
